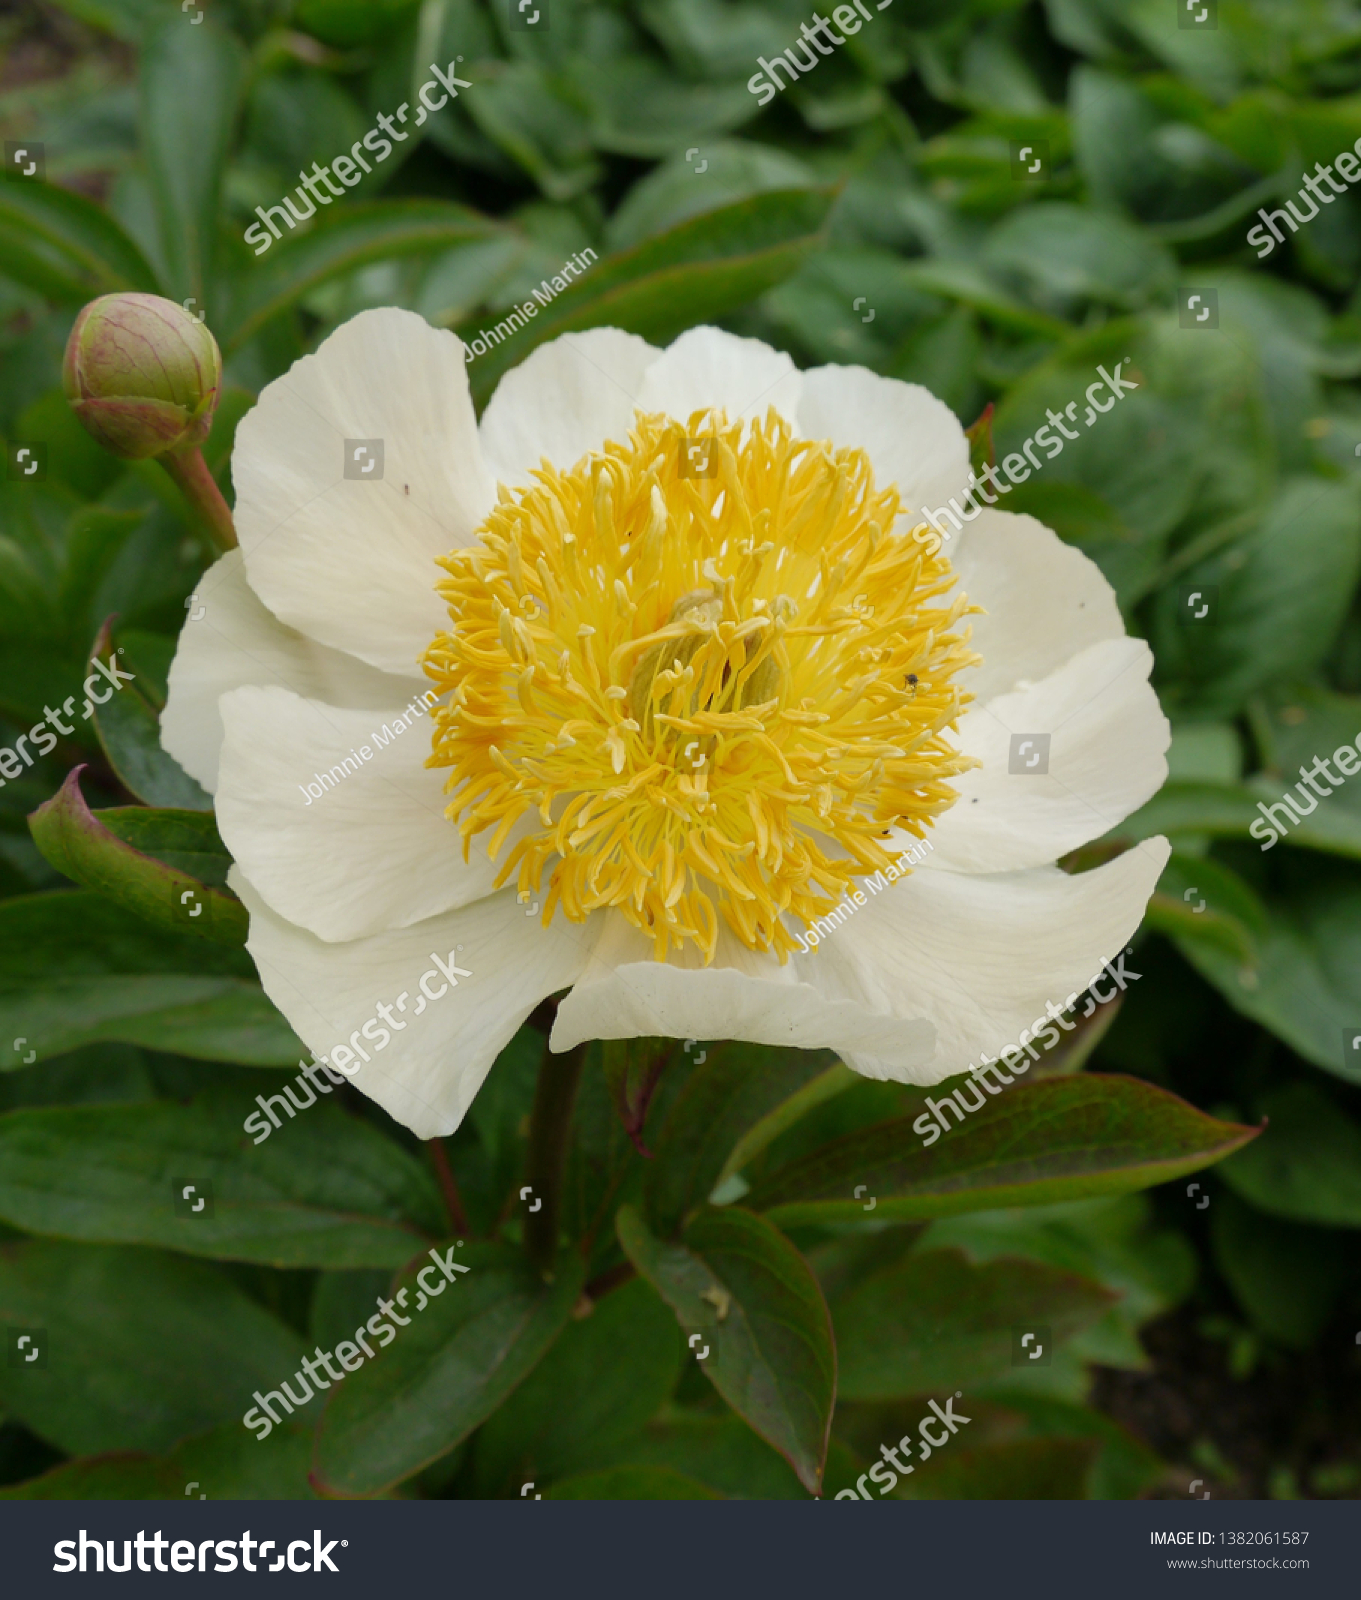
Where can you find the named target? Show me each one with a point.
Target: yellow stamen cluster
(676, 694)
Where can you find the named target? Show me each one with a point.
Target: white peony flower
(680, 716)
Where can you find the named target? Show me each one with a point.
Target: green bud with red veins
(142, 374)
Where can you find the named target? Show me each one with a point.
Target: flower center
(688, 697)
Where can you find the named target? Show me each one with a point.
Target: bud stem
(196, 483)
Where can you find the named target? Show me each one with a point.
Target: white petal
(374, 850)
(707, 367)
(351, 561)
(981, 957)
(911, 438)
(433, 1064)
(745, 995)
(566, 398)
(1043, 601)
(1107, 738)
(229, 639)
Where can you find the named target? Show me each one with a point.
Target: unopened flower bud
(142, 374)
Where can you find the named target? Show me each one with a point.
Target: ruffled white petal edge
(707, 368)
(746, 995)
(567, 398)
(912, 439)
(981, 958)
(431, 1006)
(230, 639)
(350, 561)
(1042, 601)
(335, 818)
(1106, 739)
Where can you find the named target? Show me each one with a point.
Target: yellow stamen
(699, 687)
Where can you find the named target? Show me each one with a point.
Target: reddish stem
(199, 488)
(453, 1201)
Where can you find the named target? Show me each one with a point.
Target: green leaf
(75, 969)
(365, 232)
(1281, 594)
(130, 735)
(1228, 811)
(191, 79)
(1201, 900)
(934, 1321)
(696, 272)
(80, 248)
(737, 1090)
(745, 1295)
(606, 1376)
(445, 1374)
(631, 1483)
(539, 120)
(1306, 1166)
(92, 854)
(1035, 1144)
(1063, 258)
(641, 108)
(669, 194)
(1109, 1240)
(328, 1190)
(1287, 1278)
(143, 1348)
(1306, 987)
(227, 1463)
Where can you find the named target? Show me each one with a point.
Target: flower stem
(549, 1124)
(453, 1200)
(196, 484)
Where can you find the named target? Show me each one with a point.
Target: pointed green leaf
(327, 1190)
(1035, 1144)
(756, 1321)
(190, 81)
(446, 1373)
(91, 853)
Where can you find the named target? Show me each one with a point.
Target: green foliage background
(883, 183)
